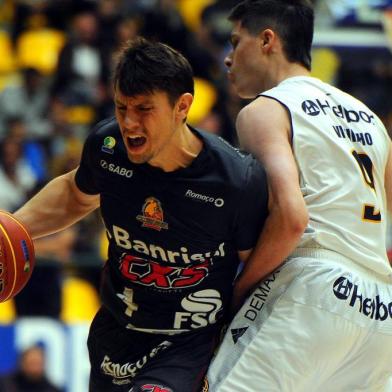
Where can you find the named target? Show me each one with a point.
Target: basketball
(16, 256)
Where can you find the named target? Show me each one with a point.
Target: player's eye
(144, 108)
(121, 108)
(234, 42)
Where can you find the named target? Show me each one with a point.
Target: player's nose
(131, 122)
(228, 60)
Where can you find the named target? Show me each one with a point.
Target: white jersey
(341, 149)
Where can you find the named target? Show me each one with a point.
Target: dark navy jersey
(173, 236)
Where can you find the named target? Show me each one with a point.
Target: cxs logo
(218, 202)
(373, 308)
(150, 273)
(202, 308)
(111, 167)
(316, 107)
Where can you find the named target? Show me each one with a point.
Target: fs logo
(202, 308)
(154, 388)
(152, 215)
(150, 273)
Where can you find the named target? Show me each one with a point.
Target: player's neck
(286, 70)
(180, 151)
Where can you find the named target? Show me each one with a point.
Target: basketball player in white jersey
(318, 287)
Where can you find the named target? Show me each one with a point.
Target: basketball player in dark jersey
(181, 208)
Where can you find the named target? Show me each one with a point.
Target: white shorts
(319, 323)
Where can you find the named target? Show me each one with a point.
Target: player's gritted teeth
(136, 141)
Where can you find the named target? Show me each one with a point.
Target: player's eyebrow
(119, 103)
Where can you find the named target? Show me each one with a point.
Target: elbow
(301, 221)
(298, 225)
(293, 221)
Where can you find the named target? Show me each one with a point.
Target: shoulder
(232, 163)
(262, 121)
(104, 135)
(106, 127)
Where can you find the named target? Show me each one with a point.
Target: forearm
(57, 206)
(279, 238)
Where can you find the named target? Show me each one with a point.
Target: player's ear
(183, 105)
(267, 40)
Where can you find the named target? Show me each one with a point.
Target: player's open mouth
(135, 141)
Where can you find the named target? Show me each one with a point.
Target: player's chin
(138, 158)
(245, 93)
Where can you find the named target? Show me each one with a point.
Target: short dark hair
(145, 66)
(292, 20)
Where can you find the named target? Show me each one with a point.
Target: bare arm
(264, 130)
(388, 180)
(58, 205)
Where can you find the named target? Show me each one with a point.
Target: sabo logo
(121, 171)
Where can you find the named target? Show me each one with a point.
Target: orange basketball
(16, 256)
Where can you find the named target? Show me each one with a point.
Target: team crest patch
(152, 215)
(108, 144)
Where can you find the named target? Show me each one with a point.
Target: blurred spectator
(68, 158)
(42, 296)
(34, 153)
(86, 233)
(16, 176)
(62, 129)
(110, 13)
(81, 70)
(28, 101)
(215, 22)
(6, 14)
(125, 28)
(35, 14)
(29, 375)
(163, 22)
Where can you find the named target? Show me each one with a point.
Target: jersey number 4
(127, 298)
(366, 165)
